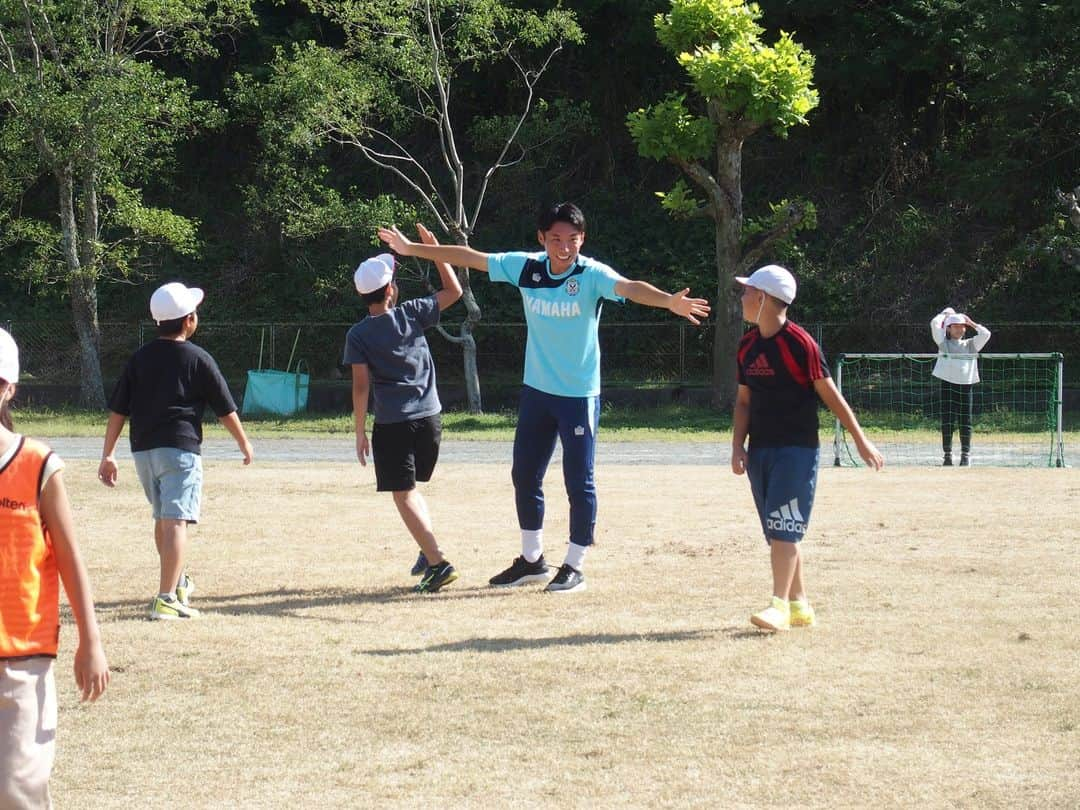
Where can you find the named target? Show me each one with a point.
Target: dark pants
(956, 401)
(543, 418)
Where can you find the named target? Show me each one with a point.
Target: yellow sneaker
(777, 616)
(801, 614)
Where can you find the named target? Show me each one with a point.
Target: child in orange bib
(37, 549)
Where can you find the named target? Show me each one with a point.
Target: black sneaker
(964, 460)
(435, 577)
(420, 566)
(520, 572)
(568, 579)
(948, 460)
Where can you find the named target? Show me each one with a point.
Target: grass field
(944, 672)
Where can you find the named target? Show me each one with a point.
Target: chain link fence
(666, 352)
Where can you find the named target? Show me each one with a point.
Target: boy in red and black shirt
(782, 374)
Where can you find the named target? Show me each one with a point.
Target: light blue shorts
(783, 480)
(172, 481)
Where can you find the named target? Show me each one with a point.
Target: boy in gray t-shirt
(391, 360)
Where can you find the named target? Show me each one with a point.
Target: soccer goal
(1015, 415)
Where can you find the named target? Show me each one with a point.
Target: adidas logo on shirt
(787, 518)
(760, 368)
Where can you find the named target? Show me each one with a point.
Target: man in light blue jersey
(562, 293)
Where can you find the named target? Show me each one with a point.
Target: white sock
(532, 544)
(168, 597)
(575, 556)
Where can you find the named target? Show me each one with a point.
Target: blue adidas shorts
(783, 480)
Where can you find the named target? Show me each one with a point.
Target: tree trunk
(83, 293)
(729, 223)
(468, 346)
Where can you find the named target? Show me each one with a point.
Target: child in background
(37, 546)
(957, 367)
(782, 373)
(390, 358)
(165, 389)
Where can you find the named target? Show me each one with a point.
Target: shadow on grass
(500, 645)
(292, 602)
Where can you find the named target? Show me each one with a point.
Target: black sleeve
(214, 387)
(120, 401)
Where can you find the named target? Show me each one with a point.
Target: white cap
(374, 273)
(955, 318)
(772, 279)
(9, 358)
(174, 300)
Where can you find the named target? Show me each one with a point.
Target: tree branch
(795, 213)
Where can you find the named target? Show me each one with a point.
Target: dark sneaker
(520, 572)
(420, 565)
(568, 579)
(964, 460)
(435, 577)
(948, 460)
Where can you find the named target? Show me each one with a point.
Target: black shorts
(405, 452)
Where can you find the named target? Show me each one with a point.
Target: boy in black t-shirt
(781, 376)
(164, 389)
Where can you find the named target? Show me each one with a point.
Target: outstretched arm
(835, 402)
(641, 292)
(459, 255)
(451, 286)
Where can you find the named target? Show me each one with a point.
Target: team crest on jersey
(536, 276)
(572, 287)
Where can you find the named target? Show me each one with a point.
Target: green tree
(740, 85)
(390, 93)
(86, 107)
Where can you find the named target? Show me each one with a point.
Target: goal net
(1013, 414)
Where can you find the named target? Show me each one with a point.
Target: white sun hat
(772, 279)
(956, 317)
(174, 300)
(374, 273)
(9, 358)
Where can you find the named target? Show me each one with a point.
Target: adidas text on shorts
(783, 481)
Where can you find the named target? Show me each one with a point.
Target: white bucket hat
(9, 358)
(956, 317)
(374, 273)
(174, 300)
(772, 279)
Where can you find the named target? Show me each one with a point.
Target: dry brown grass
(944, 672)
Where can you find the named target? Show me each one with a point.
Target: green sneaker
(777, 616)
(185, 588)
(171, 609)
(802, 614)
(435, 577)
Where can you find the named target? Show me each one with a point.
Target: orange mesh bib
(29, 585)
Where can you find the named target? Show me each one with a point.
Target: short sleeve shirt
(780, 372)
(562, 350)
(393, 347)
(165, 389)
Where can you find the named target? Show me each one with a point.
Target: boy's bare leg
(413, 510)
(171, 537)
(784, 557)
(798, 590)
